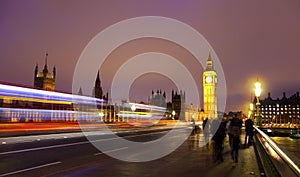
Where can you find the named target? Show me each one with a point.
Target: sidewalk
(247, 165)
(198, 162)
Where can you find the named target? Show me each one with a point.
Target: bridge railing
(275, 162)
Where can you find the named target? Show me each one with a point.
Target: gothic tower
(98, 89)
(178, 104)
(209, 90)
(44, 79)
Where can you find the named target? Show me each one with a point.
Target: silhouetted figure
(206, 127)
(218, 140)
(229, 132)
(235, 128)
(193, 126)
(248, 132)
(204, 123)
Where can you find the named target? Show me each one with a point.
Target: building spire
(209, 56)
(98, 75)
(98, 89)
(45, 70)
(209, 62)
(46, 58)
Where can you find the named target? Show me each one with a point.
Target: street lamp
(173, 114)
(257, 94)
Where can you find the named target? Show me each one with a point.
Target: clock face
(208, 79)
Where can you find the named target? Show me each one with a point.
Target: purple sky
(253, 39)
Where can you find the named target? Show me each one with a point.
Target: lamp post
(258, 121)
(251, 111)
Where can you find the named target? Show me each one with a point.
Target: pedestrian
(218, 139)
(248, 132)
(235, 128)
(206, 127)
(228, 129)
(193, 126)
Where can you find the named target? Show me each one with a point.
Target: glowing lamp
(133, 107)
(173, 113)
(251, 106)
(257, 89)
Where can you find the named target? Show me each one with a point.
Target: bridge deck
(188, 160)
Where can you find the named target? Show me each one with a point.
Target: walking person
(228, 129)
(248, 132)
(218, 139)
(194, 127)
(235, 128)
(206, 127)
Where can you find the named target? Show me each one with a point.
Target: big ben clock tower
(209, 90)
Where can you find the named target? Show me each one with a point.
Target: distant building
(178, 104)
(193, 112)
(158, 98)
(280, 112)
(45, 79)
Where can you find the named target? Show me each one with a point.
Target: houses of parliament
(46, 80)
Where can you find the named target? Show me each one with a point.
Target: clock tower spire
(209, 90)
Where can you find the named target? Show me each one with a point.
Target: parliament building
(45, 79)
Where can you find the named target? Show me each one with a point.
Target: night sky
(253, 39)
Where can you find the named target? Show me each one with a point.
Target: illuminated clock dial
(208, 79)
